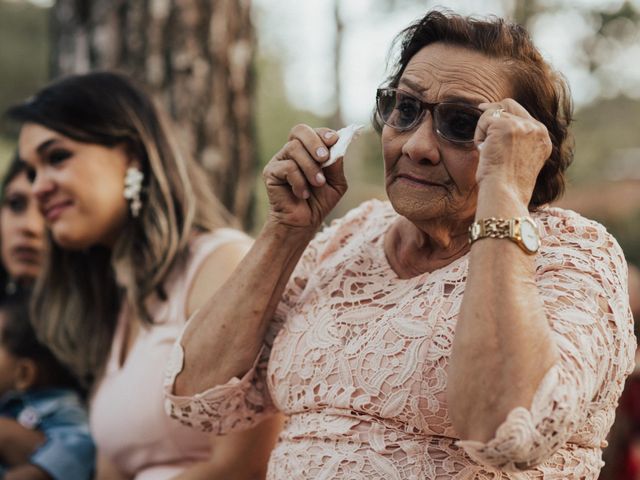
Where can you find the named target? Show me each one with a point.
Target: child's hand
(17, 443)
(26, 472)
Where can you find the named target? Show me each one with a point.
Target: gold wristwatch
(521, 230)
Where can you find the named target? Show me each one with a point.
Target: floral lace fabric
(357, 360)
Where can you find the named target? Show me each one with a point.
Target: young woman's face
(78, 186)
(22, 231)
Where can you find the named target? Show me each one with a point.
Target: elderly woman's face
(427, 177)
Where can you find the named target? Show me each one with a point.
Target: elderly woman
(465, 329)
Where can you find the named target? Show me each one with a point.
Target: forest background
(237, 75)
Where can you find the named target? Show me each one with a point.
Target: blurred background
(236, 75)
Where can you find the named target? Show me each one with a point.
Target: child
(44, 431)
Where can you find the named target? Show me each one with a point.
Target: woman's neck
(413, 250)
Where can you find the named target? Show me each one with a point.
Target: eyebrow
(41, 148)
(413, 85)
(448, 98)
(46, 144)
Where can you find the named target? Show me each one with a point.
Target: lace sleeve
(581, 276)
(241, 403)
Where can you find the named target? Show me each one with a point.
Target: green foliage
(627, 232)
(24, 50)
(7, 147)
(601, 130)
(275, 115)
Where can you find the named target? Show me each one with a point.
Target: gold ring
(497, 113)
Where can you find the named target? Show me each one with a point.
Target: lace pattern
(357, 359)
(246, 397)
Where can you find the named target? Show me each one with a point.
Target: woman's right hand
(300, 192)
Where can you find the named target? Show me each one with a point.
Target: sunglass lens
(398, 110)
(456, 122)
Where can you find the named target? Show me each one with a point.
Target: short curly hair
(541, 90)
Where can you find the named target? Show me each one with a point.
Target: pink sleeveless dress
(127, 414)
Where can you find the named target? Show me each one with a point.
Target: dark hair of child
(19, 338)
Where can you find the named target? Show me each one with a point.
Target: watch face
(529, 235)
(475, 230)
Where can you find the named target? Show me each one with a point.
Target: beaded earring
(132, 189)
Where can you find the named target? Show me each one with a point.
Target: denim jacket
(68, 452)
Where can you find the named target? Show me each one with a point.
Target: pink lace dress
(127, 415)
(357, 360)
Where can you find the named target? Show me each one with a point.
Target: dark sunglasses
(455, 122)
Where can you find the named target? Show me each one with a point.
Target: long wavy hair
(80, 293)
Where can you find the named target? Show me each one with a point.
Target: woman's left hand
(513, 148)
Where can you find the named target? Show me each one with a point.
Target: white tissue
(345, 135)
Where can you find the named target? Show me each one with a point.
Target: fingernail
(320, 178)
(328, 135)
(480, 146)
(306, 194)
(322, 152)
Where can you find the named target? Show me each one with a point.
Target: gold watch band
(490, 227)
(521, 230)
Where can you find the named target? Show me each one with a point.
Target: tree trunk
(195, 56)
(336, 119)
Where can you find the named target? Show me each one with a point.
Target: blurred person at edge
(463, 330)
(44, 430)
(622, 456)
(44, 427)
(139, 241)
(22, 232)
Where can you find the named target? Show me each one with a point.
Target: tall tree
(336, 118)
(194, 55)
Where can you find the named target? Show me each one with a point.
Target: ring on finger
(497, 113)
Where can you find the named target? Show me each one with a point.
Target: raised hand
(300, 192)
(513, 147)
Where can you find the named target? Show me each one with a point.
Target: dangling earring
(132, 189)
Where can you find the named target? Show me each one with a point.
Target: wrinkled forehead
(440, 72)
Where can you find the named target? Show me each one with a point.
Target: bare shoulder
(214, 271)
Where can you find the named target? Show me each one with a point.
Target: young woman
(139, 243)
(22, 232)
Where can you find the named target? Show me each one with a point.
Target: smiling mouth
(53, 212)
